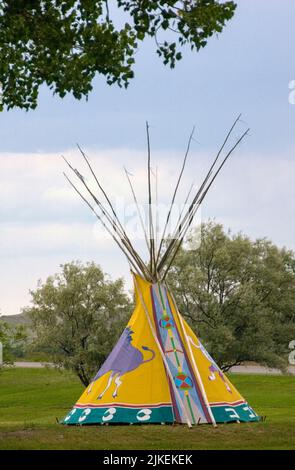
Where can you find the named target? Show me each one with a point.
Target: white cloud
(43, 223)
(49, 238)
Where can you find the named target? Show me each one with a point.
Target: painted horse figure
(123, 358)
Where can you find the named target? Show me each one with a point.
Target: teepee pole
(122, 248)
(151, 225)
(138, 208)
(215, 161)
(112, 221)
(188, 218)
(155, 174)
(185, 203)
(116, 219)
(118, 230)
(202, 196)
(174, 194)
(179, 225)
(196, 370)
(101, 188)
(162, 353)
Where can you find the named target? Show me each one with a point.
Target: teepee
(159, 371)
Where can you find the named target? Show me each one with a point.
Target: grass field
(32, 399)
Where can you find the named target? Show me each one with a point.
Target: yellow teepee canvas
(159, 371)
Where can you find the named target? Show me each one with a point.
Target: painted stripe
(190, 407)
(194, 364)
(147, 313)
(197, 387)
(175, 351)
(172, 394)
(159, 307)
(123, 405)
(226, 403)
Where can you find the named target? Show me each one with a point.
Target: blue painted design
(166, 322)
(173, 348)
(232, 413)
(117, 414)
(183, 382)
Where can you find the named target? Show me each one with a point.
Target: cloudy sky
(245, 70)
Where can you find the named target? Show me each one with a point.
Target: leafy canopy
(11, 338)
(77, 316)
(64, 44)
(239, 296)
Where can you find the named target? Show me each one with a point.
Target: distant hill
(21, 319)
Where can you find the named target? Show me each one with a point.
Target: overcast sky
(247, 70)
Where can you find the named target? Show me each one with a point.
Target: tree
(11, 338)
(77, 316)
(64, 43)
(4, 340)
(239, 295)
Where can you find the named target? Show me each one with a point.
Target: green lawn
(32, 399)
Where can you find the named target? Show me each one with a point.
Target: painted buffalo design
(123, 358)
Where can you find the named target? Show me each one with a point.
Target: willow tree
(239, 294)
(76, 316)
